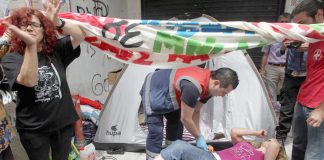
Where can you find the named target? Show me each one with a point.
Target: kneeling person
(178, 95)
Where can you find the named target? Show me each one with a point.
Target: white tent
(247, 106)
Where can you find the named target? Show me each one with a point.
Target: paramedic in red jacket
(178, 95)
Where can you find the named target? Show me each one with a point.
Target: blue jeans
(308, 141)
(179, 150)
(174, 130)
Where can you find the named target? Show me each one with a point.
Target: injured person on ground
(241, 149)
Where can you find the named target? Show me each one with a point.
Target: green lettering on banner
(195, 47)
(242, 45)
(169, 41)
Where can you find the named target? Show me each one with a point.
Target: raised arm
(238, 133)
(29, 69)
(68, 27)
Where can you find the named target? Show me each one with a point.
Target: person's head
(272, 145)
(284, 18)
(222, 81)
(308, 12)
(37, 25)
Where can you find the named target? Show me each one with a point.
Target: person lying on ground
(241, 149)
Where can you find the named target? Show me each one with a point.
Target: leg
(37, 145)
(281, 74)
(289, 93)
(273, 75)
(315, 142)
(61, 143)
(174, 127)
(181, 150)
(299, 133)
(155, 135)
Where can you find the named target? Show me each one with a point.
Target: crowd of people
(36, 65)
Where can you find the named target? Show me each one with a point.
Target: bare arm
(238, 133)
(29, 69)
(70, 28)
(190, 118)
(196, 115)
(263, 63)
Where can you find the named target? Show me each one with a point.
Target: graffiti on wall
(94, 7)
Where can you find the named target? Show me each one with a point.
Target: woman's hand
(23, 35)
(261, 133)
(52, 8)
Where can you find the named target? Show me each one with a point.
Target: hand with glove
(201, 143)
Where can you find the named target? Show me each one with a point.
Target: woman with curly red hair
(36, 69)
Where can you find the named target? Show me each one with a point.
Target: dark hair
(226, 76)
(308, 6)
(20, 15)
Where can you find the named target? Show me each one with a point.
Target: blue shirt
(296, 61)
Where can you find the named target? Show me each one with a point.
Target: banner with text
(168, 44)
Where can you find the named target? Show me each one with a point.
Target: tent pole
(113, 88)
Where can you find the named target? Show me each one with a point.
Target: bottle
(88, 152)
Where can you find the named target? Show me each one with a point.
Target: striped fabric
(170, 44)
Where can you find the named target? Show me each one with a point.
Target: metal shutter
(222, 10)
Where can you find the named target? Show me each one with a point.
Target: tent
(247, 106)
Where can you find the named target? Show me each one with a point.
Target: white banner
(87, 75)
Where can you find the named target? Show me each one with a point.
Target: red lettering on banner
(124, 55)
(119, 53)
(142, 59)
(187, 59)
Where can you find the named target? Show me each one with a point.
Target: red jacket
(198, 76)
